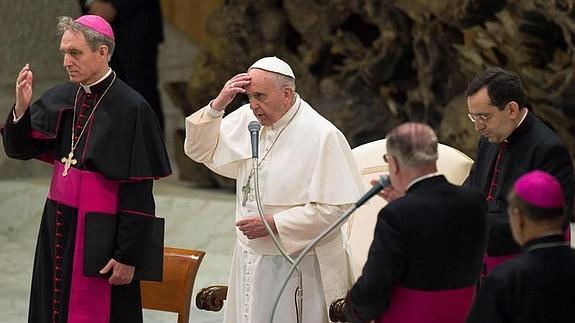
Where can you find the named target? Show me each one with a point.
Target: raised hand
(23, 90)
(232, 87)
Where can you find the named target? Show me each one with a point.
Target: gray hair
(283, 80)
(279, 79)
(412, 144)
(93, 38)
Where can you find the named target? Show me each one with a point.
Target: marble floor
(196, 218)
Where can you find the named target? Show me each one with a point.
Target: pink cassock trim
(35, 134)
(422, 306)
(135, 178)
(90, 297)
(136, 212)
(490, 262)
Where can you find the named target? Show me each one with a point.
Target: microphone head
(384, 181)
(254, 126)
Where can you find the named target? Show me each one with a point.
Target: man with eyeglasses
(513, 142)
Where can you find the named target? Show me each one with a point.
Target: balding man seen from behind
(426, 255)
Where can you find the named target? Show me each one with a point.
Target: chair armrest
(337, 310)
(211, 298)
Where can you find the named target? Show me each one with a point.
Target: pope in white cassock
(307, 179)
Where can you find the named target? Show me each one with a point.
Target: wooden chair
(174, 292)
(211, 298)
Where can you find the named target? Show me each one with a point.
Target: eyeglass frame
(482, 117)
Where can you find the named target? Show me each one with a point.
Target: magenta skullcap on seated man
(273, 64)
(540, 189)
(96, 23)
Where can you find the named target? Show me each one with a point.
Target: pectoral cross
(245, 192)
(69, 162)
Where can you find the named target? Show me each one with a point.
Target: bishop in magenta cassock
(105, 145)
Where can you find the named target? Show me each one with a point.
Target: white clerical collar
(86, 88)
(289, 114)
(521, 121)
(419, 179)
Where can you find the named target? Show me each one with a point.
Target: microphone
(254, 128)
(382, 183)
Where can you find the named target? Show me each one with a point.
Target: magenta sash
(88, 192)
(421, 306)
(490, 262)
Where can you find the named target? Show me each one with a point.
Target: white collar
(523, 118)
(288, 115)
(87, 87)
(420, 178)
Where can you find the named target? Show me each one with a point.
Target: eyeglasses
(483, 118)
(385, 158)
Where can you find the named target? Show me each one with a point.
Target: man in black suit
(514, 141)
(428, 246)
(139, 30)
(539, 284)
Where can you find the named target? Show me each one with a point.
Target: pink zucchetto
(96, 23)
(540, 189)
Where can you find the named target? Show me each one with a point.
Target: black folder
(100, 243)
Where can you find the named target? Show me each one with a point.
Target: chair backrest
(454, 164)
(174, 292)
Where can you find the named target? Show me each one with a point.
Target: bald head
(413, 145)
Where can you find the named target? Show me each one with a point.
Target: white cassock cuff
(213, 112)
(16, 119)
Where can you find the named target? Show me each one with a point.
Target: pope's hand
(253, 227)
(121, 274)
(232, 87)
(23, 90)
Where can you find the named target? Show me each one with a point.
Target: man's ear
(521, 224)
(393, 165)
(513, 109)
(103, 51)
(288, 92)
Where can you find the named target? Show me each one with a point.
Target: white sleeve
(204, 141)
(299, 225)
(213, 112)
(202, 132)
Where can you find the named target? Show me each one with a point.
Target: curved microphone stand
(299, 290)
(382, 183)
(254, 128)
